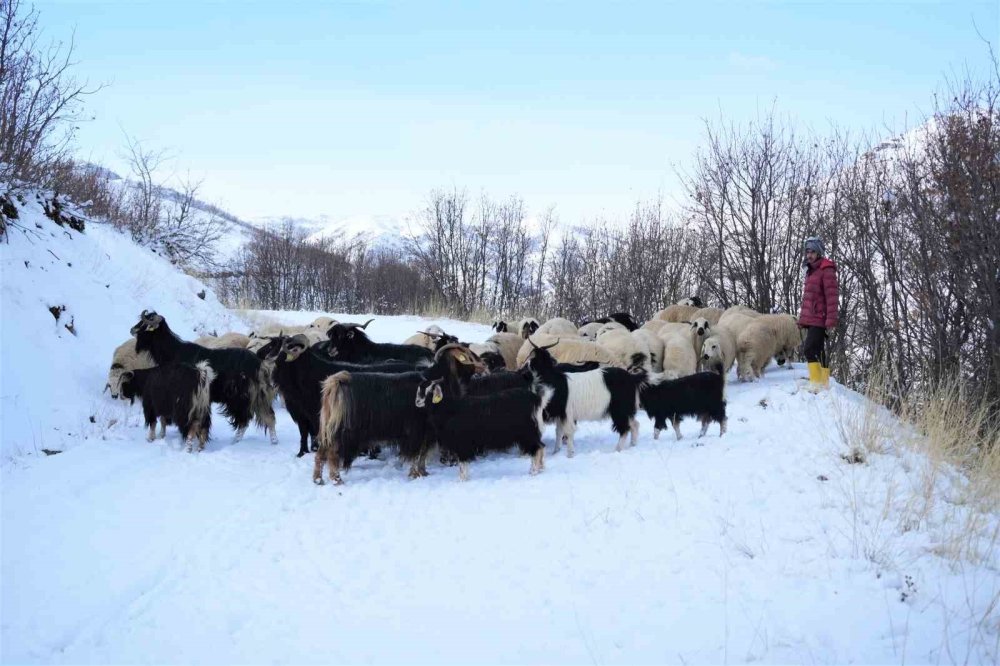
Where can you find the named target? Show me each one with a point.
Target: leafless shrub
(40, 100)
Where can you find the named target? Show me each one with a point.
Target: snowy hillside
(763, 545)
(51, 377)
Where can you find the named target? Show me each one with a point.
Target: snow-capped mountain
(377, 230)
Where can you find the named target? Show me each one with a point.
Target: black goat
(593, 395)
(469, 425)
(242, 384)
(349, 342)
(175, 394)
(699, 395)
(361, 409)
(298, 371)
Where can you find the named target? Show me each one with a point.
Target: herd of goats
(351, 396)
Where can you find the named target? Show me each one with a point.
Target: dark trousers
(814, 346)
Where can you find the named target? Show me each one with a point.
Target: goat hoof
(300, 454)
(318, 481)
(314, 448)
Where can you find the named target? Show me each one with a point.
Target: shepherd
(819, 312)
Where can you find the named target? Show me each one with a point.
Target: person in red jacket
(819, 312)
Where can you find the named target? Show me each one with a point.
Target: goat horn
(429, 334)
(365, 325)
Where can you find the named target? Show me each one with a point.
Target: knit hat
(815, 244)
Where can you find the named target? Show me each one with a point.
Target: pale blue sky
(310, 108)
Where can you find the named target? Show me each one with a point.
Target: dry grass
(949, 447)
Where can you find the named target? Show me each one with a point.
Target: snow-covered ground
(763, 545)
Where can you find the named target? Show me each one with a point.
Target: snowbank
(52, 378)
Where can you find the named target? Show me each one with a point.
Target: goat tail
(201, 401)
(262, 398)
(334, 413)
(335, 408)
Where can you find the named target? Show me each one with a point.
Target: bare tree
(40, 100)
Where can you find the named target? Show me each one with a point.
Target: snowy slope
(762, 545)
(52, 379)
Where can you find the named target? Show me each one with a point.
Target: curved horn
(145, 313)
(430, 335)
(365, 325)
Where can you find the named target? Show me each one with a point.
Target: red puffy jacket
(820, 295)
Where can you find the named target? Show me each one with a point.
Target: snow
(763, 545)
(51, 378)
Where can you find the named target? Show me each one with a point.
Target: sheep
(718, 351)
(298, 371)
(677, 313)
(427, 338)
(567, 350)
(499, 350)
(124, 359)
(700, 395)
(653, 325)
(679, 357)
(176, 393)
(467, 425)
(766, 337)
(558, 326)
(623, 318)
(692, 301)
(735, 322)
(500, 326)
(589, 331)
(609, 326)
(629, 351)
(712, 315)
(322, 324)
(348, 342)
(242, 384)
(587, 396)
(700, 329)
(224, 341)
(653, 347)
(741, 309)
(527, 327)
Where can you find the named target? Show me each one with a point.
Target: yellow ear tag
(437, 398)
(462, 358)
(150, 328)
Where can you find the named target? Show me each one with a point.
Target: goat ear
(350, 334)
(127, 376)
(437, 395)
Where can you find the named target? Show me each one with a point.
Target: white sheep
(710, 314)
(609, 326)
(653, 344)
(676, 313)
(768, 336)
(558, 326)
(736, 322)
(422, 339)
(701, 328)
(568, 350)
(630, 352)
(526, 327)
(679, 356)
(589, 331)
(504, 345)
(653, 325)
(718, 351)
(126, 359)
(322, 324)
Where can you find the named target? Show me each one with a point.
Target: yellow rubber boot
(825, 376)
(815, 376)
